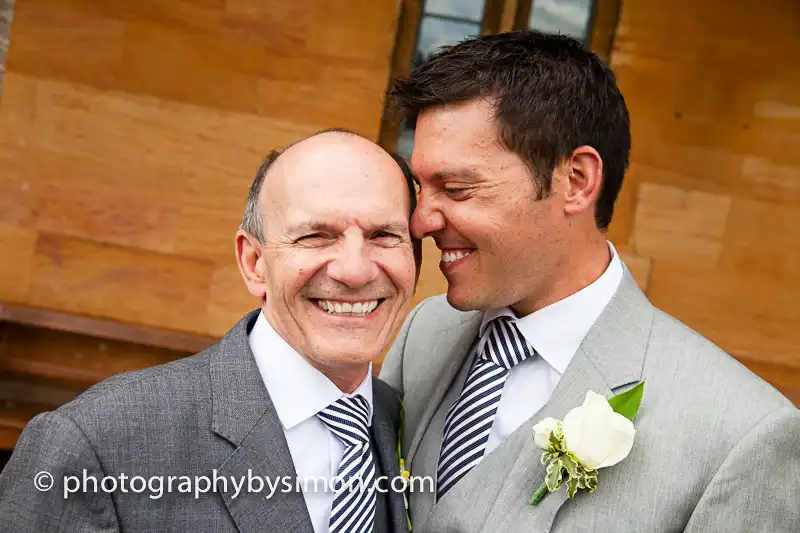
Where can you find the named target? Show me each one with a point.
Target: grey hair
(252, 221)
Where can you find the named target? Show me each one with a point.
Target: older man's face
(338, 261)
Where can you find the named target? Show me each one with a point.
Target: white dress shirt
(300, 391)
(555, 332)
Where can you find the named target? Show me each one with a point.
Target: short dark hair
(252, 222)
(551, 96)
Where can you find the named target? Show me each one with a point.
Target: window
(442, 22)
(6, 6)
(438, 23)
(568, 17)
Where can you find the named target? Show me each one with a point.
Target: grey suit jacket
(187, 418)
(717, 448)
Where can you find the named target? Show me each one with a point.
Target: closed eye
(311, 238)
(454, 191)
(388, 238)
(456, 195)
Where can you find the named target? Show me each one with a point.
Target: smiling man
(280, 426)
(521, 144)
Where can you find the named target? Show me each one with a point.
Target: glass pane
(405, 142)
(568, 17)
(463, 9)
(435, 32)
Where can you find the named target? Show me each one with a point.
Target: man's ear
(585, 168)
(250, 258)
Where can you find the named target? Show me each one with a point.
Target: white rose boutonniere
(596, 435)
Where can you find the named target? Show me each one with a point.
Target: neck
(347, 379)
(346, 376)
(574, 272)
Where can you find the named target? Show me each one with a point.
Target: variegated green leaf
(554, 475)
(591, 481)
(572, 487)
(570, 465)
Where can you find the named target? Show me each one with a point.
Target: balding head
(321, 146)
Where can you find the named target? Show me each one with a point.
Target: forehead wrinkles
(340, 218)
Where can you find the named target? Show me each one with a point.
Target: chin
(353, 353)
(461, 302)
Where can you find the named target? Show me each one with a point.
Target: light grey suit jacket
(187, 418)
(717, 448)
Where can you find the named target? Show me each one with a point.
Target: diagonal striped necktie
(353, 509)
(469, 421)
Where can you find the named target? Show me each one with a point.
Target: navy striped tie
(469, 421)
(353, 508)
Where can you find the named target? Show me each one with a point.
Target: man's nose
(353, 265)
(426, 219)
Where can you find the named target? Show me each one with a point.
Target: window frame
(498, 16)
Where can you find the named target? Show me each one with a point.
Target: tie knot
(348, 419)
(505, 345)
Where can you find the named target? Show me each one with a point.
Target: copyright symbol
(43, 481)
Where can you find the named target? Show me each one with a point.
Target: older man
(521, 145)
(278, 427)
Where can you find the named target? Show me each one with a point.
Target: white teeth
(347, 308)
(449, 257)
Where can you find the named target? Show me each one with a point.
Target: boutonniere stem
(401, 461)
(596, 435)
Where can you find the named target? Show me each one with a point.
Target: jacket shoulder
(436, 313)
(135, 393)
(712, 380)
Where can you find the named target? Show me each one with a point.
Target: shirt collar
(557, 331)
(285, 372)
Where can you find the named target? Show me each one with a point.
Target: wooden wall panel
(129, 135)
(42, 368)
(75, 362)
(228, 297)
(128, 148)
(677, 222)
(18, 245)
(128, 285)
(89, 47)
(713, 196)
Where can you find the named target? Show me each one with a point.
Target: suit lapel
(385, 424)
(507, 476)
(243, 414)
(456, 343)
(610, 357)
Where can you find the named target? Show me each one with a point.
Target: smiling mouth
(454, 255)
(335, 307)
